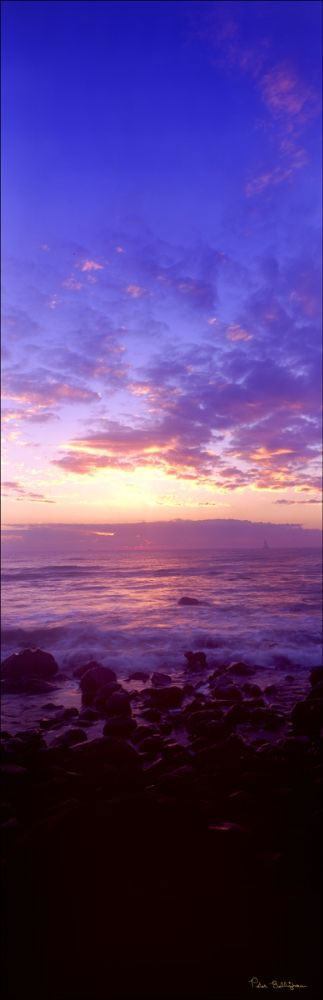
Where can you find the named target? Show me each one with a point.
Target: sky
(161, 261)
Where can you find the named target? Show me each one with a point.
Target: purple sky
(161, 234)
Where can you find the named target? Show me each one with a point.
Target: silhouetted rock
(188, 601)
(267, 718)
(69, 713)
(151, 714)
(119, 727)
(151, 744)
(316, 676)
(94, 678)
(142, 732)
(160, 680)
(29, 672)
(168, 697)
(308, 715)
(252, 689)
(139, 675)
(118, 704)
(241, 669)
(196, 661)
(93, 665)
(71, 737)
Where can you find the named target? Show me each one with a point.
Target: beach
(161, 828)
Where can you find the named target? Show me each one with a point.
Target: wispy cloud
(21, 493)
(91, 265)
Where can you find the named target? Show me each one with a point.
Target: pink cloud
(135, 291)
(37, 389)
(285, 94)
(236, 332)
(20, 493)
(72, 284)
(91, 265)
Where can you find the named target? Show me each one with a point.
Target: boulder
(166, 697)
(142, 732)
(139, 675)
(188, 601)
(119, 727)
(196, 661)
(316, 676)
(118, 704)
(92, 665)
(161, 680)
(69, 713)
(267, 718)
(95, 678)
(252, 689)
(308, 715)
(151, 714)
(29, 671)
(151, 744)
(71, 737)
(240, 669)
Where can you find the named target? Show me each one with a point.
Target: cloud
(21, 493)
(91, 265)
(287, 96)
(72, 284)
(236, 332)
(135, 291)
(288, 503)
(290, 102)
(42, 389)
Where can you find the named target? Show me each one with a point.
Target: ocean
(259, 606)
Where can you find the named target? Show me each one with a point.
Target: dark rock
(50, 723)
(118, 704)
(252, 689)
(95, 678)
(139, 675)
(32, 740)
(71, 737)
(163, 698)
(196, 722)
(120, 754)
(142, 732)
(89, 715)
(29, 663)
(27, 685)
(271, 689)
(238, 714)
(104, 694)
(51, 707)
(229, 695)
(196, 661)
(316, 675)
(69, 713)
(165, 728)
(179, 783)
(307, 715)
(161, 680)
(188, 601)
(267, 718)
(93, 665)
(151, 744)
(241, 669)
(151, 714)
(119, 727)
(316, 693)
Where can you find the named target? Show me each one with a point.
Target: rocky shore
(162, 840)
